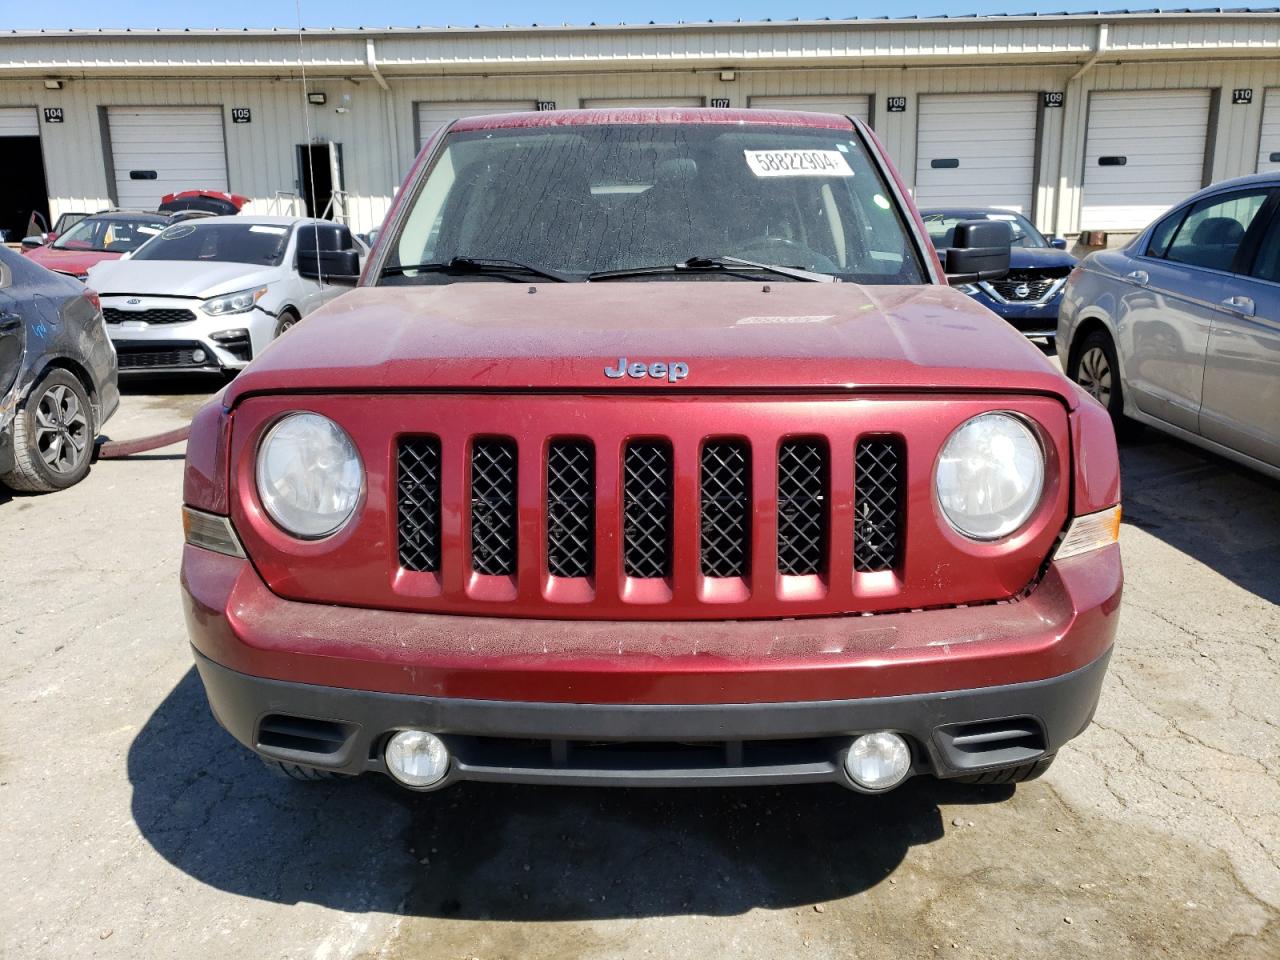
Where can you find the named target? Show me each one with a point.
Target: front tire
(286, 321)
(53, 435)
(295, 771)
(1023, 773)
(1096, 368)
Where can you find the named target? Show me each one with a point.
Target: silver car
(1181, 328)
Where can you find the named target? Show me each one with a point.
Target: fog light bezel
(409, 781)
(860, 785)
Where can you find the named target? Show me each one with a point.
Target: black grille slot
(418, 486)
(493, 507)
(646, 509)
(116, 315)
(571, 513)
(725, 519)
(802, 507)
(877, 505)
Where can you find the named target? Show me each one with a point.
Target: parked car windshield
(110, 234)
(260, 243)
(942, 227)
(578, 200)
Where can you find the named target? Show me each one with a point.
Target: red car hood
(732, 336)
(69, 261)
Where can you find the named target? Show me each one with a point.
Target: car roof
(129, 215)
(661, 115)
(254, 220)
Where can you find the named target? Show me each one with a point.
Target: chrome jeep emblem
(1021, 291)
(671, 370)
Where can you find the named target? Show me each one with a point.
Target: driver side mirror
(979, 252)
(1058, 243)
(330, 266)
(34, 241)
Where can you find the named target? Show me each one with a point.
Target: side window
(1266, 265)
(1163, 233)
(1214, 229)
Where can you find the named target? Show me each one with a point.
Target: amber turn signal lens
(210, 532)
(1090, 532)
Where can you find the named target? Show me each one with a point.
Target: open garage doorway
(320, 179)
(22, 188)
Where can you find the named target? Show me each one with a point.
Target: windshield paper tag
(798, 163)
(263, 228)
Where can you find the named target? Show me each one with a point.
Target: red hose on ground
(117, 449)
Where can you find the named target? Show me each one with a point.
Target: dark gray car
(57, 376)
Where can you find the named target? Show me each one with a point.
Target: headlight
(237, 302)
(967, 288)
(309, 475)
(990, 476)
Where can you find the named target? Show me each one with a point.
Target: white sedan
(208, 295)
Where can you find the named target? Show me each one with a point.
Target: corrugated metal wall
(377, 129)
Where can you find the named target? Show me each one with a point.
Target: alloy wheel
(62, 430)
(1094, 375)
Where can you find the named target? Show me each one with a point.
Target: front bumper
(973, 689)
(202, 345)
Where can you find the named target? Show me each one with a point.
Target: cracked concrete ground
(133, 827)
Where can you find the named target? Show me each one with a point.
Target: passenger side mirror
(330, 266)
(979, 252)
(37, 240)
(1058, 243)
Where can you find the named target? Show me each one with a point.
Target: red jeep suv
(653, 447)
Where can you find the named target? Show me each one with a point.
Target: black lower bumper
(952, 733)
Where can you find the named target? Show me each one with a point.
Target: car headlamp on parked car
(990, 476)
(309, 475)
(238, 302)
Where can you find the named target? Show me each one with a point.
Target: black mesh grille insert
(877, 505)
(646, 509)
(116, 315)
(418, 487)
(802, 507)
(571, 513)
(725, 518)
(493, 507)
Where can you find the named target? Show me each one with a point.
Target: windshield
(111, 235)
(258, 243)
(585, 199)
(942, 227)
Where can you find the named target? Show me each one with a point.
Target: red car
(99, 237)
(653, 448)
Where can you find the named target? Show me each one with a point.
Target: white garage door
(976, 150)
(604, 104)
(857, 107)
(18, 122)
(1269, 143)
(159, 150)
(433, 116)
(1144, 151)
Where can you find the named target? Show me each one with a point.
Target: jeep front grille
(493, 507)
(418, 507)
(725, 517)
(571, 509)
(646, 509)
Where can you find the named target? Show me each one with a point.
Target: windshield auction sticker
(798, 163)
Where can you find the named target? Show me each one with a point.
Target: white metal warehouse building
(1083, 121)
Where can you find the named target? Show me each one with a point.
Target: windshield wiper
(462, 265)
(726, 264)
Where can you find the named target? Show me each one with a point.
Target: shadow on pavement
(170, 385)
(1224, 515)
(509, 852)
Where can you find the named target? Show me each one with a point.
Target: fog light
(417, 758)
(878, 761)
(198, 355)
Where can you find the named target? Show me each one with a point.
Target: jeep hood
(733, 335)
(177, 278)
